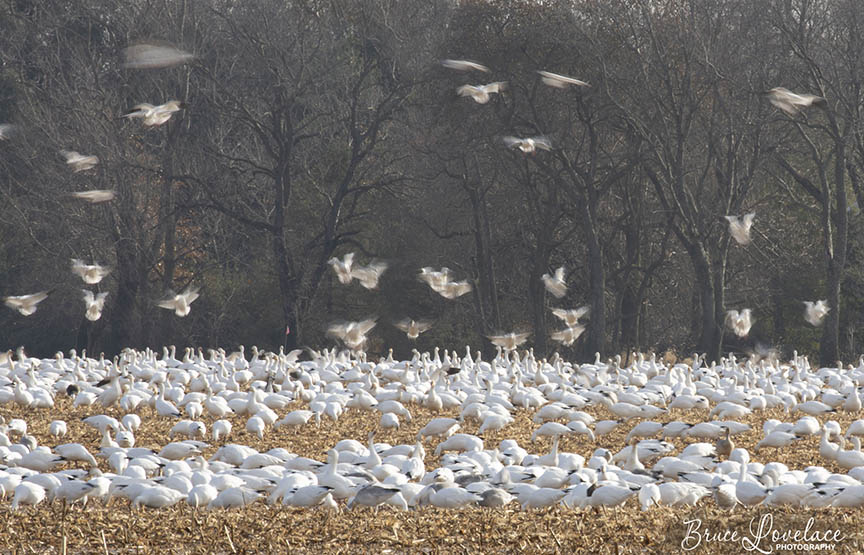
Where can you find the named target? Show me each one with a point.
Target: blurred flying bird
(571, 317)
(814, 313)
(368, 276)
(528, 145)
(26, 304)
(95, 196)
(79, 162)
(568, 335)
(7, 131)
(454, 289)
(560, 81)
(555, 283)
(343, 267)
(436, 279)
(792, 103)
(90, 273)
(509, 341)
(739, 322)
(463, 65)
(740, 227)
(155, 115)
(152, 56)
(353, 334)
(180, 303)
(480, 93)
(413, 328)
(94, 303)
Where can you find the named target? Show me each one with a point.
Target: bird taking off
(571, 317)
(740, 227)
(79, 162)
(792, 103)
(509, 341)
(739, 322)
(481, 93)
(353, 334)
(94, 304)
(568, 335)
(560, 81)
(90, 273)
(555, 283)
(464, 65)
(528, 145)
(413, 328)
(814, 313)
(343, 267)
(181, 303)
(26, 304)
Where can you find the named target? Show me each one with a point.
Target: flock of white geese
(277, 393)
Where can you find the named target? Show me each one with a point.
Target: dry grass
(260, 528)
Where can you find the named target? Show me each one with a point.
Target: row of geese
(202, 391)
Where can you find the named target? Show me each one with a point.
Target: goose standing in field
(26, 304)
(791, 103)
(740, 227)
(155, 115)
(528, 145)
(90, 273)
(96, 196)
(815, 313)
(464, 65)
(94, 304)
(79, 162)
(725, 446)
(555, 283)
(180, 303)
(509, 341)
(560, 81)
(153, 56)
(413, 328)
(481, 93)
(739, 322)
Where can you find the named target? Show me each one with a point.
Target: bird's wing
(36, 297)
(748, 219)
(404, 324)
(542, 142)
(511, 141)
(559, 273)
(191, 293)
(364, 326)
(466, 90)
(88, 297)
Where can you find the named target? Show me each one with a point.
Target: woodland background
(318, 127)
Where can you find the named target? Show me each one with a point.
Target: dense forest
(314, 128)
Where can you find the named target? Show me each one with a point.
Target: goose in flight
(568, 335)
(180, 303)
(571, 317)
(481, 93)
(509, 341)
(94, 303)
(454, 289)
(79, 162)
(740, 227)
(26, 304)
(343, 267)
(555, 283)
(368, 275)
(353, 334)
(528, 145)
(96, 196)
(413, 328)
(152, 56)
(739, 322)
(560, 81)
(814, 313)
(7, 131)
(792, 103)
(464, 65)
(436, 279)
(155, 115)
(90, 273)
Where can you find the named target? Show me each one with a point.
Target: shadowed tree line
(312, 129)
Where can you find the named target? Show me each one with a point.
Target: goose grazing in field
(567, 336)
(481, 93)
(509, 341)
(739, 322)
(740, 227)
(94, 304)
(560, 81)
(79, 162)
(555, 283)
(413, 328)
(343, 267)
(464, 65)
(155, 115)
(528, 145)
(96, 196)
(26, 304)
(814, 313)
(353, 334)
(153, 56)
(90, 273)
(180, 303)
(571, 317)
(368, 276)
(791, 103)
